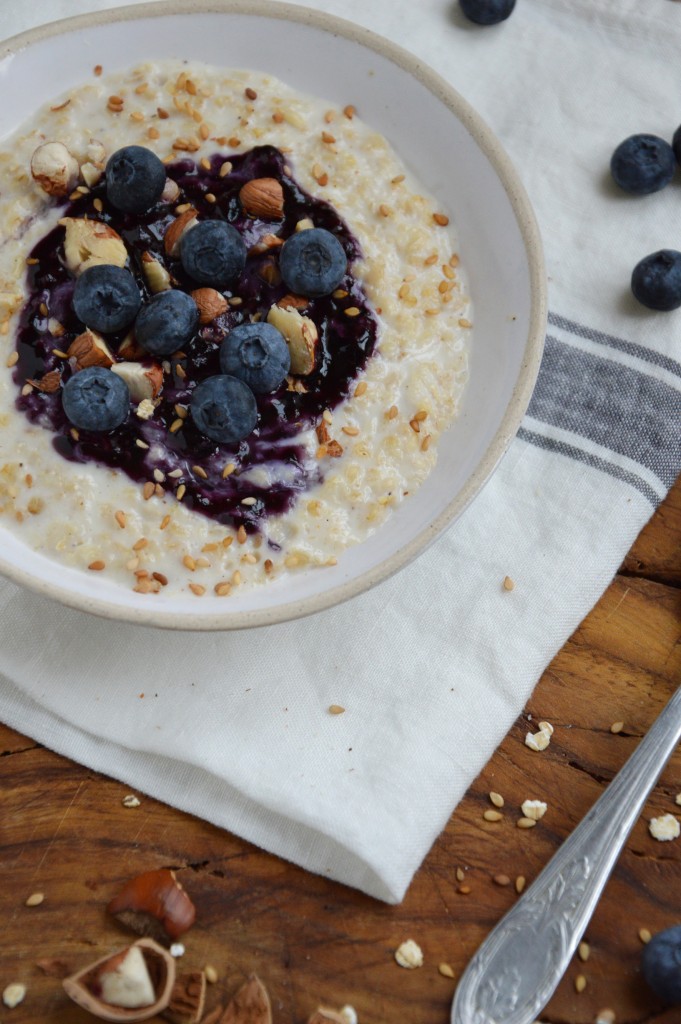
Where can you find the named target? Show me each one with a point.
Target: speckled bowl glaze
(458, 160)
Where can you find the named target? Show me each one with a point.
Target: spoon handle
(517, 968)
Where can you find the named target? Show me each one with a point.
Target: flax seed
(384, 210)
(415, 426)
(121, 519)
(441, 219)
(222, 590)
(250, 94)
(97, 70)
(141, 543)
(425, 444)
(202, 562)
(349, 111)
(210, 198)
(162, 113)
(97, 566)
(277, 117)
(234, 141)
(448, 272)
(392, 412)
(464, 890)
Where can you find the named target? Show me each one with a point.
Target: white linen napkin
(434, 665)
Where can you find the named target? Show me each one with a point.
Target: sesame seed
(327, 417)
(236, 578)
(384, 210)
(228, 470)
(268, 565)
(222, 590)
(139, 544)
(210, 198)
(328, 138)
(35, 899)
(520, 883)
(121, 519)
(502, 880)
(616, 727)
(225, 169)
(349, 111)
(202, 562)
(584, 951)
(644, 935)
(74, 434)
(59, 354)
(421, 415)
(397, 180)
(13, 359)
(249, 559)
(460, 874)
(492, 816)
(336, 709)
(431, 311)
(227, 542)
(159, 476)
(189, 563)
(441, 219)
(463, 322)
(392, 412)
(137, 115)
(176, 425)
(580, 983)
(198, 589)
(148, 490)
(497, 799)
(241, 534)
(180, 371)
(234, 141)
(132, 564)
(350, 431)
(605, 1017)
(415, 426)
(97, 566)
(526, 822)
(98, 204)
(200, 471)
(445, 970)
(205, 163)
(140, 443)
(464, 890)
(249, 501)
(425, 444)
(508, 583)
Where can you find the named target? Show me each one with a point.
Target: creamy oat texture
(388, 428)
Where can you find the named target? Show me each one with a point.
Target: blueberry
(676, 144)
(661, 964)
(642, 164)
(257, 354)
(106, 298)
(487, 12)
(135, 179)
(213, 253)
(167, 322)
(312, 262)
(656, 280)
(224, 408)
(96, 399)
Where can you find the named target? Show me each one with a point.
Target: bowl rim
(520, 204)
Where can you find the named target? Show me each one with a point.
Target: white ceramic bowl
(458, 160)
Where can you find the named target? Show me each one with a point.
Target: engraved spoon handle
(517, 968)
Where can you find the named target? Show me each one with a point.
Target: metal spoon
(517, 968)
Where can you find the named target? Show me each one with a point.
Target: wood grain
(64, 831)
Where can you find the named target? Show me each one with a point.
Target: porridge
(371, 365)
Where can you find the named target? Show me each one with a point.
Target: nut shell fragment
(263, 197)
(301, 336)
(54, 168)
(250, 1005)
(84, 987)
(89, 243)
(323, 1015)
(188, 998)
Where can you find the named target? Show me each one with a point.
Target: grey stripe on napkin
(602, 401)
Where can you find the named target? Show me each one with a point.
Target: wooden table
(64, 832)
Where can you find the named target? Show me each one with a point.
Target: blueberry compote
(269, 465)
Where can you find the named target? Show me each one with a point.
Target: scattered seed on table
(497, 799)
(584, 951)
(616, 727)
(580, 983)
(35, 899)
(520, 883)
(502, 880)
(211, 974)
(460, 874)
(13, 994)
(131, 800)
(445, 970)
(644, 935)
(526, 822)
(492, 816)
(336, 709)
(464, 890)
(508, 583)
